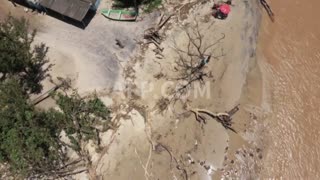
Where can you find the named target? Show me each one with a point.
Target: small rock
(244, 155)
(258, 150)
(206, 167)
(254, 117)
(159, 137)
(159, 148)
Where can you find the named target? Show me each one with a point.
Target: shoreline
(247, 151)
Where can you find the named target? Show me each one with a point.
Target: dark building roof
(75, 9)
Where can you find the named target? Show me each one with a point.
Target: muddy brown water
(291, 46)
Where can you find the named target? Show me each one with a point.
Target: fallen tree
(225, 118)
(191, 62)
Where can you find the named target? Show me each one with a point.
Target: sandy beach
(152, 143)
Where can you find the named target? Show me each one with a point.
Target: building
(74, 9)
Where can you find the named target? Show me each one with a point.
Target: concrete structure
(75, 9)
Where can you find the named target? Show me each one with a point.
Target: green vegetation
(149, 5)
(29, 137)
(31, 142)
(18, 59)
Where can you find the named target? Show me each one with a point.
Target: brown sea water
(291, 46)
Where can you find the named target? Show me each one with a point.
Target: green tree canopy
(30, 138)
(81, 116)
(19, 59)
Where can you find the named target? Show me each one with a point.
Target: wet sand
(290, 47)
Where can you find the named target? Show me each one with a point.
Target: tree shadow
(149, 5)
(125, 3)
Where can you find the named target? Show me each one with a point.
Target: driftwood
(62, 172)
(64, 84)
(119, 43)
(268, 9)
(224, 118)
(152, 34)
(147, 175)
(178, 166)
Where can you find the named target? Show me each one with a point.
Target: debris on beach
(268, 9)
(119, 43)
(224, 117)
(152, 34)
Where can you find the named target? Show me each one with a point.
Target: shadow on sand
(83, 24)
